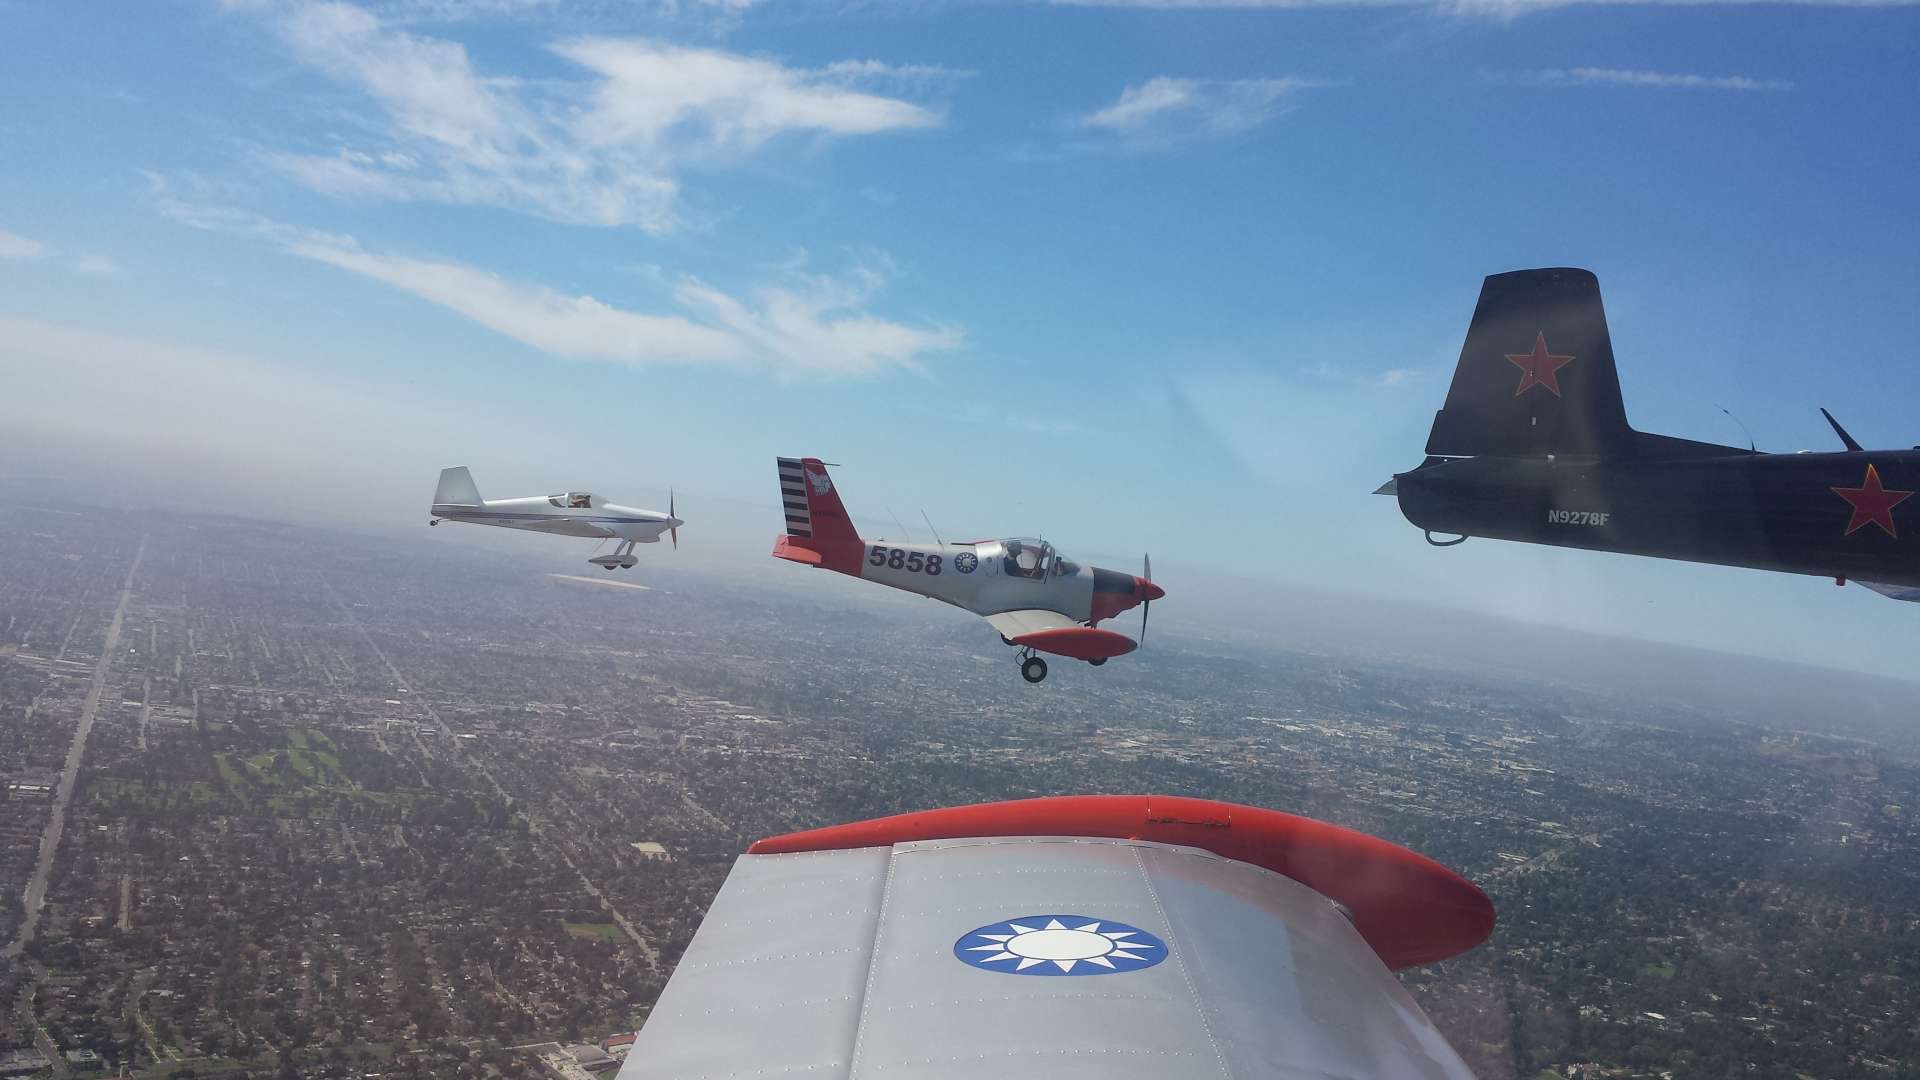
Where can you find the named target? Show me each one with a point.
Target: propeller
(1146, 571)
(675, 531)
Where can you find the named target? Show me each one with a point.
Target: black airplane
(1533, 445)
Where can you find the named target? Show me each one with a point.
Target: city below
(281, 801)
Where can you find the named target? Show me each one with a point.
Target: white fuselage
(599, 519)
(981, 578)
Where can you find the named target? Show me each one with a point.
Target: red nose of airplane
(1147, 589)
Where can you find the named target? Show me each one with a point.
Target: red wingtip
(1409, 908)
(1079, 642)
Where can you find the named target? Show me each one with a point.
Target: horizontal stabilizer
(1896, 592)
(1391, 487)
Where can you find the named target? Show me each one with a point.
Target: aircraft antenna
(904, 534)
(934, 531)
(1840, 431)
(1743, 428)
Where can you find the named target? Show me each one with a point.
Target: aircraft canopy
(573, 500)
(1033, 560)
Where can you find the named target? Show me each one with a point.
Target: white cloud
(1164, 110)
(95, 264)
(672, 102)
(605, 150)
(15, 246)
(804, 326)
(1657, 80)
(901, 77)
(1387, 379)
(801, 325)
(572, 326)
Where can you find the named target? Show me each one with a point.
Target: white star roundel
(1060, 945)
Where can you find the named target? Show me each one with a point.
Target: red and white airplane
(1123, 937)
(1038, 599)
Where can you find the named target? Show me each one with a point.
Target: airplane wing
(1121, 937)
(1897, 592)
(1050, 631)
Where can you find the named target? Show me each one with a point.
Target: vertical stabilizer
(456, 488)
(813, 509)
(1536, 374)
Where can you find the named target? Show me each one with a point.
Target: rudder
(456, 488)
(813, 509)
(1536, 375)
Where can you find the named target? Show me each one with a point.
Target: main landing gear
(1032, 668)
(622, 558)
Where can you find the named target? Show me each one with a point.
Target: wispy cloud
(1386, 379)
(603, 150)
(1652, 80)
(95, 264)
(1163, 111)
(15, 246)
(799, 325)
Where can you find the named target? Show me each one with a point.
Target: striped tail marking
(793, 496)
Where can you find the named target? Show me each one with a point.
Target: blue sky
(1175, 276)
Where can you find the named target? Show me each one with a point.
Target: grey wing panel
(1894, 592)
(1012, 624)
(913, 962)
(775, 977)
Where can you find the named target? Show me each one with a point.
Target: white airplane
(572, 513)
(1038, 599)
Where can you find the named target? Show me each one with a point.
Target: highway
(36, 892)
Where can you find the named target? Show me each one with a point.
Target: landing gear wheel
(1097, 661)
(628, 563)
(609, 566)
(1033, 669)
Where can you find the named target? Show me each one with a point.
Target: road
(36, 894)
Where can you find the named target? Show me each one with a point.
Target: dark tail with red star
(1536, 375)
(1536, 378)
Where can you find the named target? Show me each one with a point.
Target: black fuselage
(1765, 511)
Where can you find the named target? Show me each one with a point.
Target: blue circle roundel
(965, 562)
(1060, 945)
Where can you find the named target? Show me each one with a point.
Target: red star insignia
(1539, 367)
(1872, 504)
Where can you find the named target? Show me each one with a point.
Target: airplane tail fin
(1536, 374)
(456, 488)
(814, 512)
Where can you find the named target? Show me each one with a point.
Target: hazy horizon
(1137, 277)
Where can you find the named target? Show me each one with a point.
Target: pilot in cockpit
(1024, 560)
(580, 500)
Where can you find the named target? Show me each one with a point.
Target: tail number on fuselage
(912, 561)
(1577, 517)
